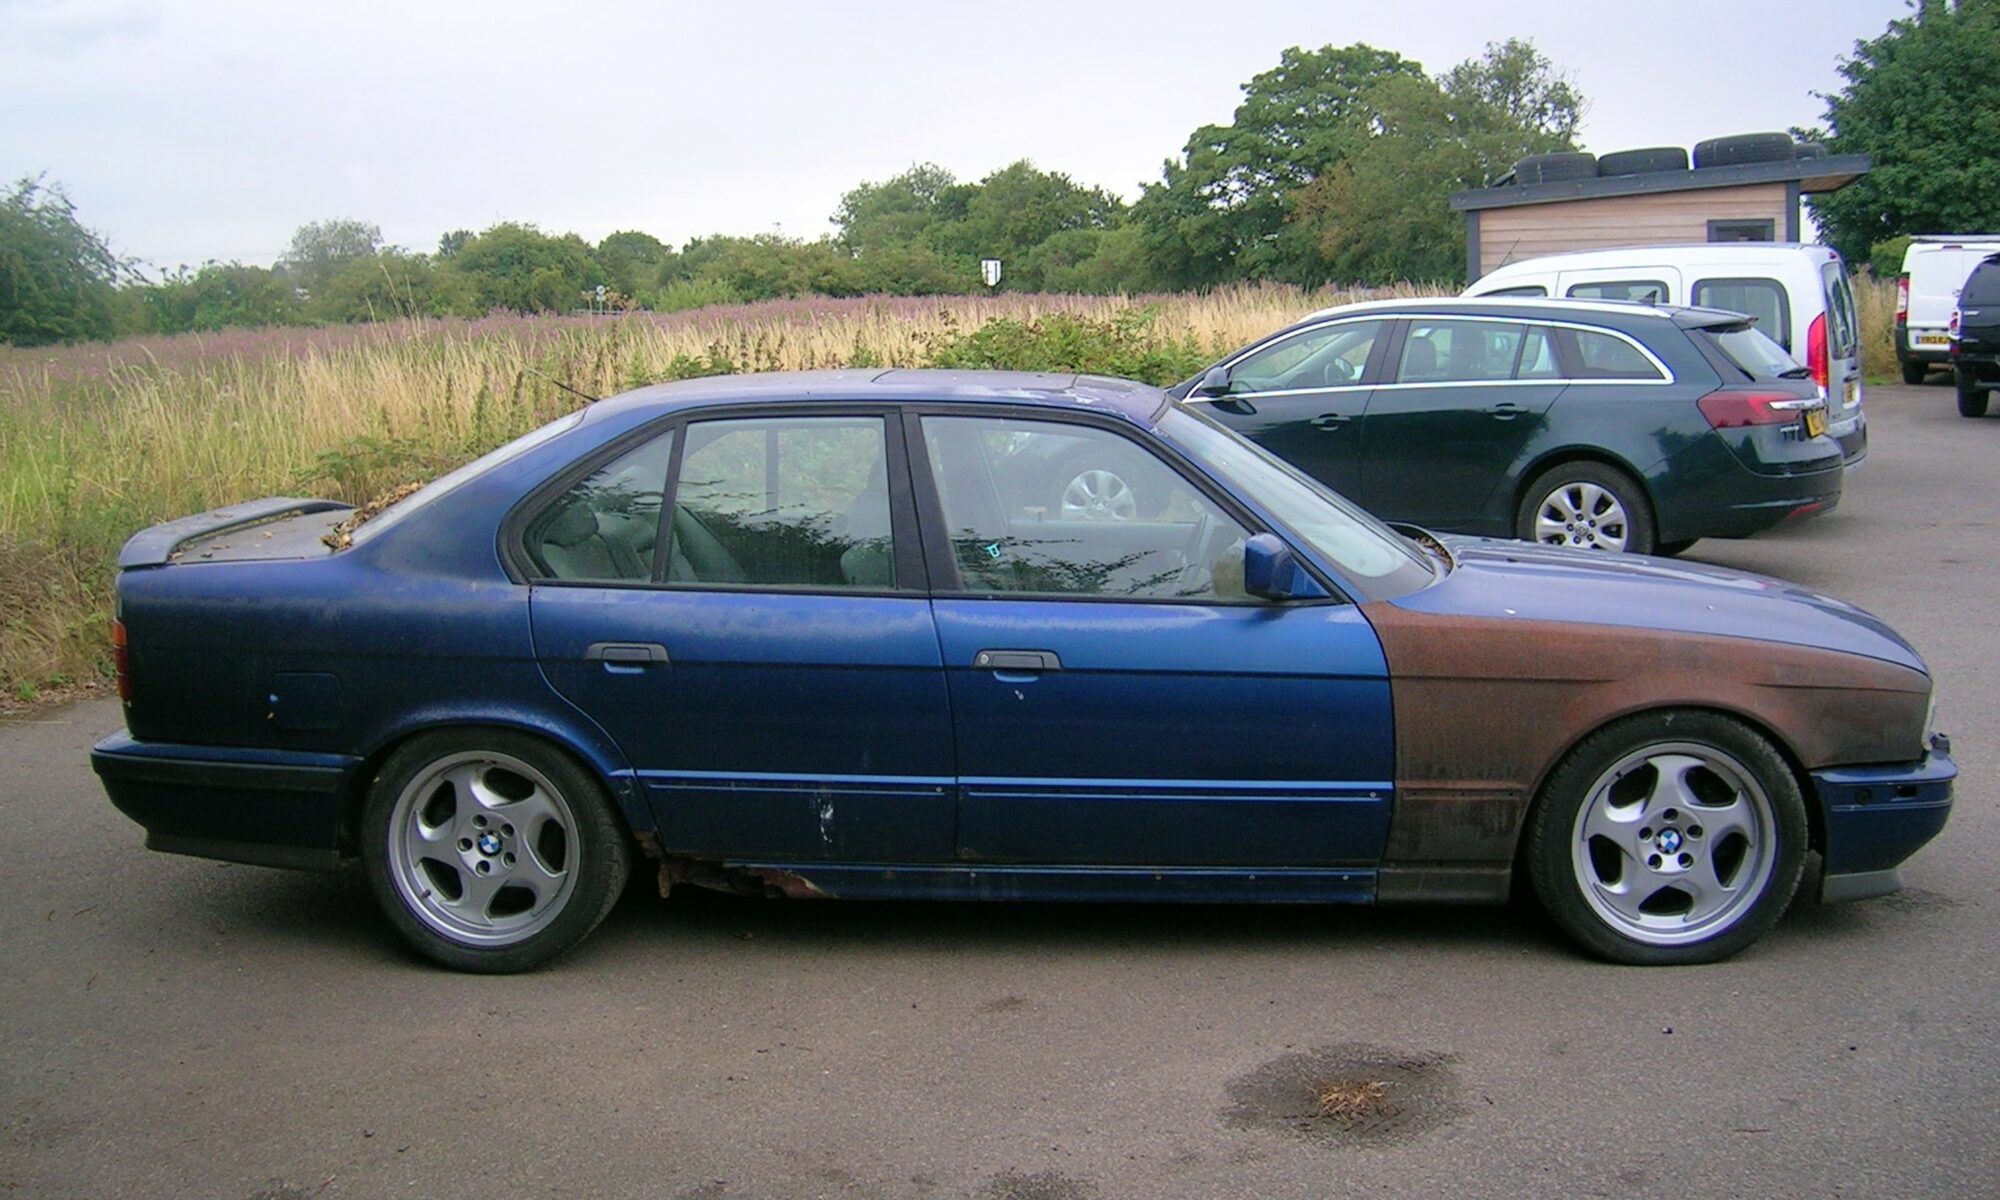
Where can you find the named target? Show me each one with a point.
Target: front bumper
(1876, 817)
(273, 808)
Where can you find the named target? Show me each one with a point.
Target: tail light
(1816, 360)
(1735, 409)
(121, 660)
(1902, 299)
(1951, 331)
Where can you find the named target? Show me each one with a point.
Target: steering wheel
(1339, 371)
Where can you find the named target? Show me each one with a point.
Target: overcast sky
(206, 130)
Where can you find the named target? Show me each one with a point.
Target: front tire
(491, 851)
(1668, 838)
(1587, 506)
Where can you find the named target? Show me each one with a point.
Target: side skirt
(1283, 885)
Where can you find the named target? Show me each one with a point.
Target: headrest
(573, 524)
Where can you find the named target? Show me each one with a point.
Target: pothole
(1347, 1095)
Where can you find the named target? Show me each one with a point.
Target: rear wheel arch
(601, 766)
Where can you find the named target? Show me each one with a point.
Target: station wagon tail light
(1737, 409)
(121, 660)
(1902, 299)
(1816, 360)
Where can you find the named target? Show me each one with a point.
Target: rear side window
(1607, 356)
(1459, 351)
(1529, 290)
(1641, 291)
(1983, 285)
(1763, 299)
(783, 502)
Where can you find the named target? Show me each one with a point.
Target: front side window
(1636, 291)
(1459, 351)
(1049, 508)
(1330, 356)
(783, 502)
(1763, 299)
(604, 529)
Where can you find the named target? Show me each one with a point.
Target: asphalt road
(173, 1027)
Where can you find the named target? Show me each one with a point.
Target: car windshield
(399, 509)
(1756, 355)
(1369, 554)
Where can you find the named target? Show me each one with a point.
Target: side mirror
(1214, 383)
(1272, 572)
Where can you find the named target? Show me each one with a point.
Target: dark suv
(1975, 338)
(1595, 424)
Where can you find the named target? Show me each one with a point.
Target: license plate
(1933, 339)
(1815, 422)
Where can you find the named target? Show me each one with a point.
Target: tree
(1018, 208)
(320, 248)
(56, 277)
(1383, 213)
(900, 211)
(633, 261)
(221, 296)
(519, 267)
(389, 285)
(1923, 100)
(1219, 212)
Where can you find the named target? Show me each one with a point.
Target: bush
(1120, 345)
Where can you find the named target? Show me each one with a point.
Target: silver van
(1799, 294)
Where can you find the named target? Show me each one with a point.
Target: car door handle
(626, 654)
(1506, 410)
(1330, 422)
(1017, 660)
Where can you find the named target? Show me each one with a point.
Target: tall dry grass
(99, 441)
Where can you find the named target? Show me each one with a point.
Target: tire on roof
(1741, 148)
(1552, 168)
(1643, 162)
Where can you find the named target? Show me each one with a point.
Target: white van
(1798, 293)
(1934, 269)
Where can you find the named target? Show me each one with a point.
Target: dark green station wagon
(1595, 424)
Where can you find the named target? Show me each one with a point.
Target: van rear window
(1757, 356)
(1763, 299)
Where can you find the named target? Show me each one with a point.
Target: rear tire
(1914, 372)
(1667, 838)
(1586, 505)
(490, 850)
(1551, 168)
(1971, 397)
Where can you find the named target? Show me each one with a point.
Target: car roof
(1686, 251)
(1062, 390)
(1528, 308)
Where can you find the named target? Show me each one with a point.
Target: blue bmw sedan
(830, 635)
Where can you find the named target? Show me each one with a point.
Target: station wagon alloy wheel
(1098, 495)
(491, 851)
(1583, 515)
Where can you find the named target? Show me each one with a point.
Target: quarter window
(784, 502)
(1459, 351)
(1638, 291)
(1526, 289)
(1603, 356)
(1763, 299)
(1330, 356)
(604, 529)
(1047, 508)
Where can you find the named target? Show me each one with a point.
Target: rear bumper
(274, 808)
(1876, 817)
